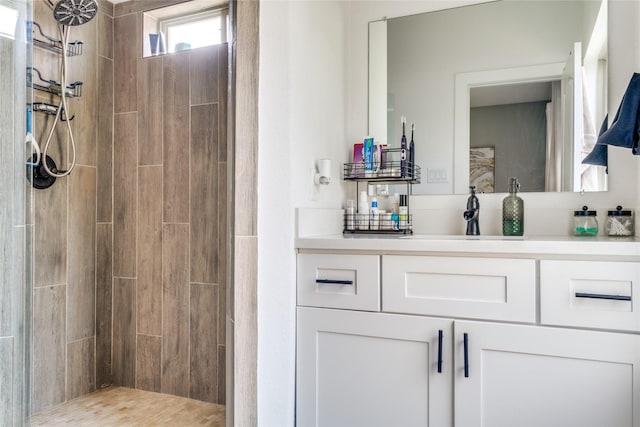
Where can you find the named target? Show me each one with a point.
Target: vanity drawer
(339, 281)
(478, 288)
(591, 294)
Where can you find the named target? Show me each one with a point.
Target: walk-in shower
(130, 249)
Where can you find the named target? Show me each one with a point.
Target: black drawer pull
(440, 351)
(602, 296)
(466, 355)
(334, 282)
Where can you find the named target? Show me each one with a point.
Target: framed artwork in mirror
(482, 168)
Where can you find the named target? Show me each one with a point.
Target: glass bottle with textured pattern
(513, 211)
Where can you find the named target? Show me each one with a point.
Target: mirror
(479, 80)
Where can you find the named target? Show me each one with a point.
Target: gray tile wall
(6, 380)
(169, 216)
(129, 250)
(104, 293)
(243, 310)
(71, 349)
(49, 345)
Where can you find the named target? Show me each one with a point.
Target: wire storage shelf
(73, 90)
(383, 172)
(385, 223)
(49, 109)
(44, 107)
(387, 166)
(51, 43)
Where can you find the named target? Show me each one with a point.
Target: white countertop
(585, 247)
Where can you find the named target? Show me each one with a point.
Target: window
(195, 30)
(8, 20)
(187, 25)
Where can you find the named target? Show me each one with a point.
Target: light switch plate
(437, 176)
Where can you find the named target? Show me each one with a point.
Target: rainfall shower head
(75, 12)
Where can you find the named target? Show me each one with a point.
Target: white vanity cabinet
(372, 369)
(381, 368)
(521, 375)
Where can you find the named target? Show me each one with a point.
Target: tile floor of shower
(122, 406)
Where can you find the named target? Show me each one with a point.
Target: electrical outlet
(382, 189)
(437, 176)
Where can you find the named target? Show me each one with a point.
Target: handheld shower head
(68, 13)
(75, 12)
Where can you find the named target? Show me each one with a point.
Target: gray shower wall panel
(71, 332)
(170, 215)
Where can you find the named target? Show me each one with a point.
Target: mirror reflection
(499, 89)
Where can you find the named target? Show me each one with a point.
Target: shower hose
(64, 37)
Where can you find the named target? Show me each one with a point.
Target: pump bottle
(513, 211)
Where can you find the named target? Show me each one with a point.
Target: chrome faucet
(472, 213)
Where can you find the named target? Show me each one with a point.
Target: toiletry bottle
(403, 212)
(513, 211)
(350, 215)
(375, 215)
(403, 151)
(412, 154)
(363, 211)
(367, 156)
(395, 202)
(395, 208)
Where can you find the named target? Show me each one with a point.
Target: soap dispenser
(472, 213)
(513, 211)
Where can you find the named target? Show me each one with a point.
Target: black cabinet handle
(334, 282)
(440, 351)
(604, 296)
(466, 355)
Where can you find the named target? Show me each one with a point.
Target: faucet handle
(470, 214)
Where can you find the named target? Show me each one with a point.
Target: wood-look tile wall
(129, 250)
(169, 216)
(72, 224)
(245, 240)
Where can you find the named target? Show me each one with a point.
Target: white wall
(313, 104)
(276, 261)
(301, 119)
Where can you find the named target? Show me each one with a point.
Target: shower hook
(63, 115)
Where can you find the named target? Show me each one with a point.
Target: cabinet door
(536, 376)
(372, 369)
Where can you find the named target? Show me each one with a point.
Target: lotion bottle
(363, 211)
(375, 215)
(403, 213)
